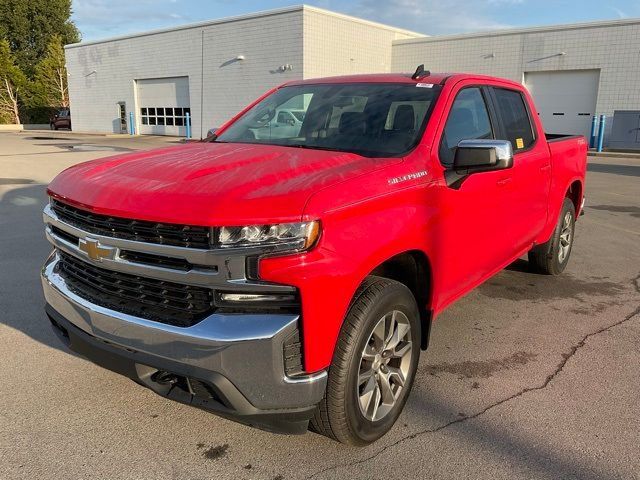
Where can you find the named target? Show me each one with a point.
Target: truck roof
(434, 78)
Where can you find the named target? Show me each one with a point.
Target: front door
(473, 215)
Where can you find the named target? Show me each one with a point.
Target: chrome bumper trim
(247, 349)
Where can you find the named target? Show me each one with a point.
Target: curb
(611, 154)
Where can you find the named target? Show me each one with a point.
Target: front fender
(355, 240)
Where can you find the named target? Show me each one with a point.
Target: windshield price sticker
(424, 85)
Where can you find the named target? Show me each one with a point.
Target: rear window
(515, 117)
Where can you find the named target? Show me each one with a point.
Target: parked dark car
(62, 119)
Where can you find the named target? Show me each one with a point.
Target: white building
(236, 59)
(213, 69)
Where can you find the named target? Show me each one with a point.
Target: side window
(280, 124)
(514, 115)
(468, 120)
(284, 117)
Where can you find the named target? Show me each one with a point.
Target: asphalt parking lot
(527, 377)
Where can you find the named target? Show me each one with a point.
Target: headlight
(301, 235)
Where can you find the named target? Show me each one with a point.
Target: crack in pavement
(559, 368)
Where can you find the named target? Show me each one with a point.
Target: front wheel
(373, 366)
(552, 257)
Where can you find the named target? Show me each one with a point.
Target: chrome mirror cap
(483, 155)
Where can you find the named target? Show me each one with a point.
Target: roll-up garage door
(566, 100)
(163, 104)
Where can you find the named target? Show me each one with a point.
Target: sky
(99, 19)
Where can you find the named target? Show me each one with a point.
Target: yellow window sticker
(519, 143)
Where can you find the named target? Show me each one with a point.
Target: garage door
(162, 105)
(566, 100)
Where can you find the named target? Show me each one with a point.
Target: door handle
(503, 182)
(545, 168)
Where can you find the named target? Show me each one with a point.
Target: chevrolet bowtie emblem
(94, 250)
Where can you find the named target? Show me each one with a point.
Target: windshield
(375, 120)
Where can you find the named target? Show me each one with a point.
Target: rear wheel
(374, 364)
(552, 257)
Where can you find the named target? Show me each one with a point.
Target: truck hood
(209, 183)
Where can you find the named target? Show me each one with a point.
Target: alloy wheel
(384, 366)
(566, 235)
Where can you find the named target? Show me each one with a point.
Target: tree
(12, 81)
(28, 25)
(50, 82)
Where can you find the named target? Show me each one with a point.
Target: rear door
(527, 197)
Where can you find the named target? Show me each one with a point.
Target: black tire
(339, 415)
(546, 258)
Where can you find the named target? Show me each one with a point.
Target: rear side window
(468, 120)
(515, 118)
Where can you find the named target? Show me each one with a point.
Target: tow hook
(164, 378)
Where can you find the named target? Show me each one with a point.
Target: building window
(168, 116)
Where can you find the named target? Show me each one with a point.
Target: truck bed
(557, 137)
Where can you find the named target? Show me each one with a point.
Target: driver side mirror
(474, 156)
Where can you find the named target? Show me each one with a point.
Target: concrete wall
(104, 73)
(613, 47)
(336, 44)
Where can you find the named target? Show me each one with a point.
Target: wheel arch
(574, 192)
(413, 269)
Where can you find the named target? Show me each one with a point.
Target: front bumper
(230, 364)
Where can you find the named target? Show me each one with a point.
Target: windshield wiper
(312, 147)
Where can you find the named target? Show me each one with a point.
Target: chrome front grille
(188, 236)
(166, 283)
(165, 302)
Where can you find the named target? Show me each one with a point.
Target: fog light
(256, 298)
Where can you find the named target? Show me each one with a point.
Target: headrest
(404, 119)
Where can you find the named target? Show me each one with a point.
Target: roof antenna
(420, 72)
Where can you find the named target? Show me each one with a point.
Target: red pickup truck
(288, 277)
